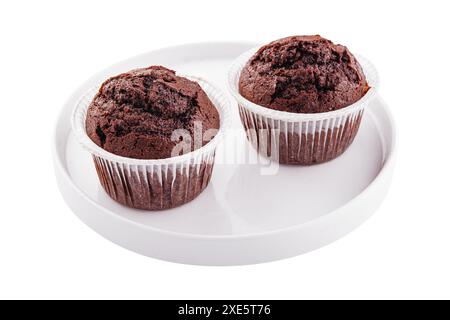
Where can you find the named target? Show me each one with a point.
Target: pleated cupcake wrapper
(155, 187)
(154, 184)
(296, 138)
(303, 142)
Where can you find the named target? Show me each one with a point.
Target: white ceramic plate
(250, 213)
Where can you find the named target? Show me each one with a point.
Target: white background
(49, 47)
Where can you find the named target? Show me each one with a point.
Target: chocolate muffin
(138, 115)
(135, 113)
(303, 74)
(305, 79)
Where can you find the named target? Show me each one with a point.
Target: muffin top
(135, 113)
(303, 74)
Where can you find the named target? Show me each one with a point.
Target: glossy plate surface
(253, 211)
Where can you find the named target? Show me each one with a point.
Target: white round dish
(250, 212)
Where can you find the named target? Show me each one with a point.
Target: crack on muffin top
(155, 90)
(304, 74)
(135, 113)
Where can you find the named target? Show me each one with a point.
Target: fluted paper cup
(154, 184)
(300, 138)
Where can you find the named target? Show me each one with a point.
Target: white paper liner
(300, 138)
(154, 184)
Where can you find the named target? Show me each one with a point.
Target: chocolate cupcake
(152, 135)
(301, 98)
(135, 114)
